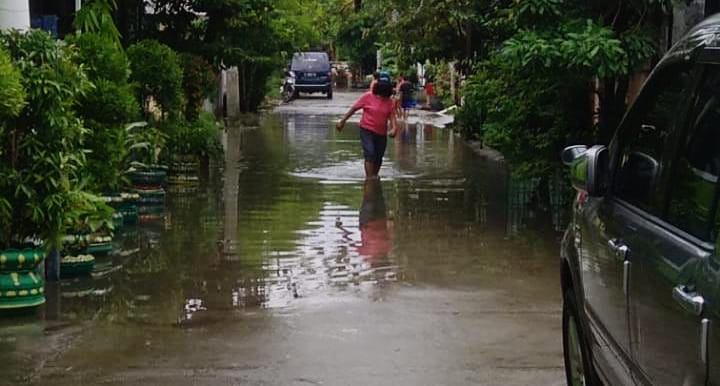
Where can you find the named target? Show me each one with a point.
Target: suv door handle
(688, 299)
(618, 248)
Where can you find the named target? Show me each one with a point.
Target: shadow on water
(287, 221)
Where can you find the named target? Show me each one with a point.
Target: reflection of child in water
(375, 228)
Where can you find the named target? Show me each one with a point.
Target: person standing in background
(429, 93)
(397, 96)
(333, 75)
(407, 100)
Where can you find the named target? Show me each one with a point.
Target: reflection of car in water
(312, 73)
(640, 260)
(375, 233)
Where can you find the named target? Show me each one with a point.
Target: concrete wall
(15, 14)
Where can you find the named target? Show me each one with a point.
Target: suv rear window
(310, 62)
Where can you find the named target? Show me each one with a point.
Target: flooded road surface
(285, 268)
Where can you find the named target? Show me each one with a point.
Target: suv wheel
(578, 367)
(329, 94)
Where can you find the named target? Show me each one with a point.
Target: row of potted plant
(69, 159)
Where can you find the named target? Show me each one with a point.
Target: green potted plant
(146, 173)
(41, 153)
(189, 143)
(106, 110)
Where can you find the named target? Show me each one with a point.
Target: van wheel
(579, 370)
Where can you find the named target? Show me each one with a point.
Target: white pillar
(15, 14)
(232, 92)
(451, 68)
(78, 5)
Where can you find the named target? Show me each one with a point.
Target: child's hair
(376, 75)
(383, 89)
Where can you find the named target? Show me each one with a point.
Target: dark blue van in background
(312, 73)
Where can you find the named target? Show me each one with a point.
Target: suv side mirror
(570, 153)
(588, 168)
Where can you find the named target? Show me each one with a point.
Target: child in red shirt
(378, 108)
(429, 92)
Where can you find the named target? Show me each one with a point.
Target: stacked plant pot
(20, 285)
(125, 205)
(81, 264)
(99, 243)
(77, 258)
(183, 174)
(149, 184)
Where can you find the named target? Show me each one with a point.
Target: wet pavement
(283, 267)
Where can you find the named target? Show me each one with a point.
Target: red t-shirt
(430, 88)
(376, 112)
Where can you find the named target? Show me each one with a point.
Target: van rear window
(310, 61)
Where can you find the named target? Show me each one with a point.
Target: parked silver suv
(640, 259)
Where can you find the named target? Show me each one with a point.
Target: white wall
(15, 14)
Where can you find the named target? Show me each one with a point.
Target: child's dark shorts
(373, 146)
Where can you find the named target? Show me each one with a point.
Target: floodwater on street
(284, 267)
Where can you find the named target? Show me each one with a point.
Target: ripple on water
(350, 172)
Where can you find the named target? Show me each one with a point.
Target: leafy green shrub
(106, 108)
(41, 155)
(101, 59)
(96, 16)
(533, 93)
(527, 119)
(156, 69)
(200, 138)
(111, 101)
(144, 143)
(12, 93)
(199, 82)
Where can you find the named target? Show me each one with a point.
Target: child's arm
(357, 106)
(339, 126)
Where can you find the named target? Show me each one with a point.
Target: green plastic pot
(20, 260)
(76, 268)
(148, 177)
(130, 213)
(21, 289)
(118, 219)
(98, 249)
(151, 196)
